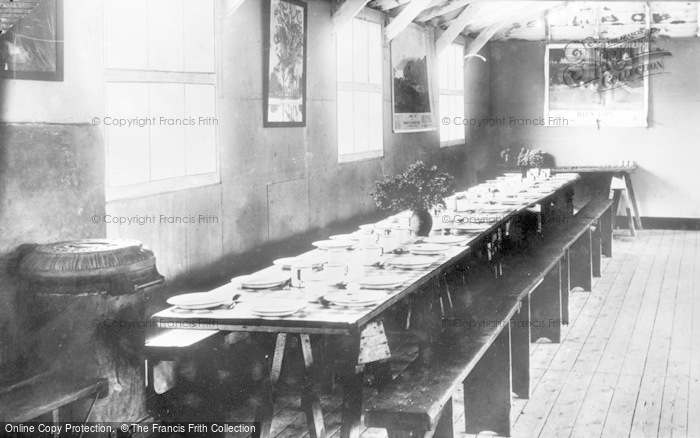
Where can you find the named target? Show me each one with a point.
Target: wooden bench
(171, 345)
(601, 209)
(581, 241)
(485, 348)
(47, 393)
(418, 402)
(530, 301)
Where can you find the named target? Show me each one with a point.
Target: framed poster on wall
(284, 83)
(412, 107)
(598, 84)
(33, 47)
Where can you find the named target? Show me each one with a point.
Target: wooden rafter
(346, 12)
(407, 15)
(528, 10)
(445, 7)
(458, 25)
(387, 5)
(513, 25)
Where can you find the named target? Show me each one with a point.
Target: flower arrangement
(531, 158)
(537, 158)
(507, 157)
(419, 188)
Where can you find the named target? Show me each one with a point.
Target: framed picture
(598, 84)
(284, 85)
(33, 47)
(411, 94)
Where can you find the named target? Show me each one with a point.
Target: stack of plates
(334, 244)
(512, 201)
(277, 307)
(446, 240)
(265, 280)
(287, 262)
(353, 236)
(471, 226)
(531, 196)
(411, 262)
(381, 282)
(197, 301)
(428, 249)
(540, 189)
(495, 209)
(355, 299)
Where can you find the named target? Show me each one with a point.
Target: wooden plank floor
(628, 364)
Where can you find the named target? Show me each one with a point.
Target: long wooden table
(624, 173)
(356, 328)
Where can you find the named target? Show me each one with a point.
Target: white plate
(495, 209)
(197, 301)
(355, 299)
(446, 240)
(428, 248)
(287, 262)
(345, 237)
(265, 280)
(540, 189)
(333, 244)
(411, 262)
(381, 281)
(469, 226)
(512, 201)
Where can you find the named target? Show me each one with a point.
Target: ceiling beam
(506, 31)
(407, 15)
(531, 9)
(436, 11)
(482, 39)
(231, 6)
(458, 25)
(346, 12)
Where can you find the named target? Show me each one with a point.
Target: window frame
(184, 182)
(453, 92)
(376, 17)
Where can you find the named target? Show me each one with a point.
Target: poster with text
(411, 94)
(602, 84)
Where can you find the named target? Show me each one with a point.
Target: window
(452, 95)
(160, 96)
(360, 96)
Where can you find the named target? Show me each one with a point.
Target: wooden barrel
(116, 266)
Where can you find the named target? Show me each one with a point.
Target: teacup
(371, 254)
(462, 204)
(337, 256)
(335, 273)
(388, 242)
(403, 234)
(316, 285)
(368, 237)
(300, 272)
